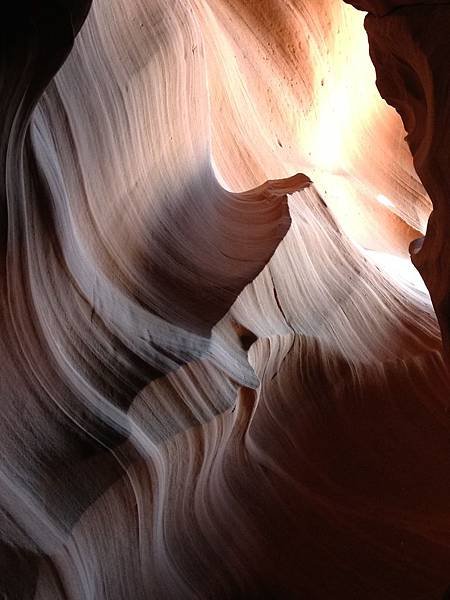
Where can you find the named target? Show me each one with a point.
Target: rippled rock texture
(221, 375)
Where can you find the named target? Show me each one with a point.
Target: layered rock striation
(221, 375)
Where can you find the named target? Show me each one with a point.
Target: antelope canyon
(225, 300)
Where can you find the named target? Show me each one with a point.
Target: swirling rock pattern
(221, 376)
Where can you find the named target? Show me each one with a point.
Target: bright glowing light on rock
(385, 201)
(400, 269)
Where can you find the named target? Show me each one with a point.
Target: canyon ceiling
(225, 300)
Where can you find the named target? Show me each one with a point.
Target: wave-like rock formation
(221, 375)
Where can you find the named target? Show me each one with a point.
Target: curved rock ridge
(221, 375)
(291, 482)
(294, 91)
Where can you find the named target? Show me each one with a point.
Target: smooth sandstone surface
(221, 374)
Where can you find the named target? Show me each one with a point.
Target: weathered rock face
(221, 375)
(380, 8)
(411, 50)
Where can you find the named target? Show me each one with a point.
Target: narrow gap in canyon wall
(222, 374)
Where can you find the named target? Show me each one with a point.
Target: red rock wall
(221, 375)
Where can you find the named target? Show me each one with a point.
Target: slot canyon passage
(225, 300)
